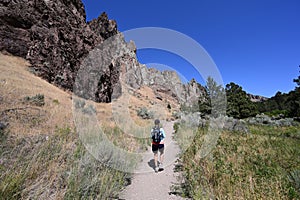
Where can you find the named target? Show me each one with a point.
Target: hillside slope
(41, 153)
(25, 116)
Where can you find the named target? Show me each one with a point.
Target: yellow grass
(45, 155)
(16, 83)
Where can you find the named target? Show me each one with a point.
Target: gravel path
(148, 185)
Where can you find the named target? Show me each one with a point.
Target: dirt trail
(148, 185)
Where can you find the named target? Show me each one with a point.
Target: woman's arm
(163, 133)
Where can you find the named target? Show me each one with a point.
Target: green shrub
(176, 127)
(144, 113)
(90, 110)
(37, 100)
(294, 178)
(55, 101)
(176, 115)
(78, 103)
(277, 113)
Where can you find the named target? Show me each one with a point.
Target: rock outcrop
(193, 92)
(166, 82)
(257, 98)
(55, 38)
(52, 35)
(99, 77)
(103, 26)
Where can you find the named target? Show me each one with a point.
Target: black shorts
(156, 147)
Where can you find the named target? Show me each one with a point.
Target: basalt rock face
(193, 93)
(100, 77)
(103, 26)
(166, 82)
(52, 35)
(55, 38)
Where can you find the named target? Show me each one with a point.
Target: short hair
(156, 121)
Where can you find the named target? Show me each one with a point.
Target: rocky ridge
(256, 98)
(55, 37)
(162, 82)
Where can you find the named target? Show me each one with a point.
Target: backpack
(156, 135)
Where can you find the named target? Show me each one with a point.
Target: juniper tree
(239, 104)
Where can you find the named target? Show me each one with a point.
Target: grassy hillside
(42, 155)
(264, 164)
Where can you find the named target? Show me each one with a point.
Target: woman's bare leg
(155, 159)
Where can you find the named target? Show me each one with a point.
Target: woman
(158, 136)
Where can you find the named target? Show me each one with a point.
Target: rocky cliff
(167, 82)
(256, 98)
(55, 38)
(52, 35)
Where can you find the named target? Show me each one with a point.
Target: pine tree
(297, 80)
(239, 104)
(296, 98)
(287, 104)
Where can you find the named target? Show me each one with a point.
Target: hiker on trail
(158, 135)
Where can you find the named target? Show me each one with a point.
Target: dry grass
(16, 83)
(261, 165)
(42, 156)
(25, 119)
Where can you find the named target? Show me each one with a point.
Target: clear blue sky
(255, 44)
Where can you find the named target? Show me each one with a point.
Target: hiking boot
(161, 166)
(156, 169)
